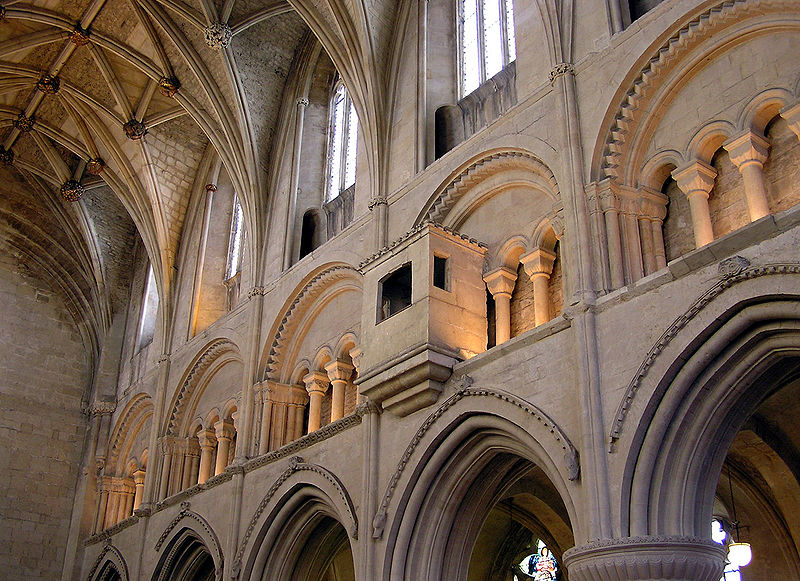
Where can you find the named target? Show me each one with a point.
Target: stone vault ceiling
(79, 78)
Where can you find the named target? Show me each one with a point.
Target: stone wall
(41, 425)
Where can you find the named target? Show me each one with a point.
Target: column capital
(792, 115)
(207, 438)
(500, 281)
(747, 148)
(355, 355)
(539, 261)
(316, 382)
(339, 370)
(645, 558)
(224, 430)
(652, 204)
(695, 177)
(138, 477)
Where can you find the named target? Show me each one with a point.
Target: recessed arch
(485, 443)
(188, 544)
(304, 498)
(109, 565)
(215, 352)
(699, 389)
(281, 356)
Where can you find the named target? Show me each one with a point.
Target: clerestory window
(342, 143)
(487, 42)
(147, 318)
(235, 241)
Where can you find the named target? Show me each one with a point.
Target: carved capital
(224, 430)
(355, 355)
(207, 439)
(500, 282)
(316, 382)
(100, 408)
(645, 558)
(377, 201)
(560, 70)
(749, 148)
(695, 178)
(792, 115)
(302, 102)
(652, 204)
(218, 35)
(339, 371)
(538, 262)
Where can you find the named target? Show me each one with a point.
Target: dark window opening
(440, 274)
(395, 292)
(308, 234)
(639, 8)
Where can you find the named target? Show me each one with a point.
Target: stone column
(653, 210)
(539, 266)
(295, 410)
(339, 374)
(190, 462)
(609, 204)
(126, 499)
(100, 521)
(266, 418)
(316, 386)
(113, 503)
(166, 461)
(224, 433)
(138, 482)
(646, 558)
(500, 283)
(748, 152)
(696, 180)
(208, 442)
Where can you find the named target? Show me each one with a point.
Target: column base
(646, 559)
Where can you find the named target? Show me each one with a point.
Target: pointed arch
(303, 494)
(108, 562)
(703, 378)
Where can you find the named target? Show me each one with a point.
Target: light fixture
(739, 554)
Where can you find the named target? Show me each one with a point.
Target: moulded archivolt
(571, 459)
(615, 157)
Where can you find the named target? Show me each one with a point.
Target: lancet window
(487, 41)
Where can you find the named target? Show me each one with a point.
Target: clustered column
(316, 386)
(539, 266)
(500, 283)
(339, 373)
(748, 153)
(696, 180)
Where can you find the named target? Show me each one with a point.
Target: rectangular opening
(440, 273)
(395, 292)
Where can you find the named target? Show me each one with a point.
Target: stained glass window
(718, 535)
(488, 43)
(538, 566)
(342, 144)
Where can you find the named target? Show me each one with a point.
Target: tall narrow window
(147, 320)
(488, 44)
(235, 242)
(342, 143)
